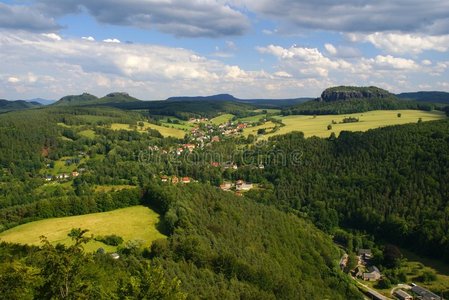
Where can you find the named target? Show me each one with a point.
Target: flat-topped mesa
(348, 92)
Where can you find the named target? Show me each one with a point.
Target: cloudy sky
(154, 49)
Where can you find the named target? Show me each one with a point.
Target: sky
(154, 49)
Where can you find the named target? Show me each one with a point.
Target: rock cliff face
(348, 93)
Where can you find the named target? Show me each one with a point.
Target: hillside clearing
(165, 131)
(222, 119)
(132, 223)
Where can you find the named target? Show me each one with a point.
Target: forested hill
(6, 106)
(434, 97)
(391, 182)
(226, 247)
(346, 99)
(86, 99)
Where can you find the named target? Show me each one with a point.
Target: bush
(111, 240)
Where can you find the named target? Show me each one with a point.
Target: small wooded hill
(226, 247)
(347, 99)
(88, 99)
(434, 97)
(6, 106)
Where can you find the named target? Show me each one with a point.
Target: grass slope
(222, 119)
(132, 223)
(317, 126)
(165, 131)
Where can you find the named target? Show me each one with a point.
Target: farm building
(401, 295)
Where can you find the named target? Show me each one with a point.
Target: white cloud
(283, 74)
(114, 41)
(88, 38)
(404, 43)
(426, 62)
(330, 49)
(13, 79)
(52, 36)
(394, 62)
(53, 69)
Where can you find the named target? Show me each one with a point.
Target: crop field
(132, 223)
(165, 131)
(317, 125)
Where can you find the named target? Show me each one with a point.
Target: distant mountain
(41, 101)
(275, 103)
(88, 99)
(219, 97)
(434, 97)
(348, 99)
(227, 97)
(6, 105)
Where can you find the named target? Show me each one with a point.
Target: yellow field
(317, 126)
(253, 130)
(222, 119)
(132, 223)
(165, 131)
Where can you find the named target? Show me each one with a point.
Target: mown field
(221, 119)
(132, 223)
(317, 125)
(165, 131)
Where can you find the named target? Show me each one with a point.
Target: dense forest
(391, 182)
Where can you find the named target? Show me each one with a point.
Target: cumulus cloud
(114, 41)
(52, 36)
(53, 68)
(430, 16)
(404, 43)
(307, 62)
(88, 38)
(195, 18)
(25, 18)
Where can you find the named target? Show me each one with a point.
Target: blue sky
(155, 49)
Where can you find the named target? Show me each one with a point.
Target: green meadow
(132, 223)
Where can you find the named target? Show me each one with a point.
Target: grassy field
(222, 119)
(317, 125)
(416, 265)
(89, 133)
(255, 118)
(132, 223)
(110, 188)
(253, 130)
(165, 131)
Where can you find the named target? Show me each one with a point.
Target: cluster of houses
(176, 179)
(238, 186)
(364, 269)
(64, 176)
(198, 120)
